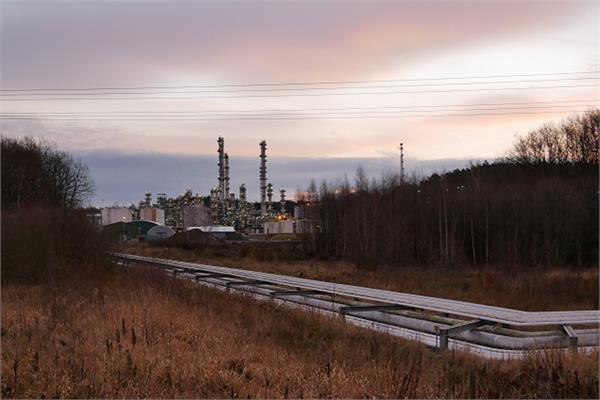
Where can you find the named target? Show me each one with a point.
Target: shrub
(44, 244)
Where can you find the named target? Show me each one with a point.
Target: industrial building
(196, 215)
(94, 215)
(222, 208)
(127, 223)
(227, 211)
(114, 214)
(282, 226)
(287, 226)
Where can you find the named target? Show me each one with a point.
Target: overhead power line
(553, 103)
(306, 83)
(306, 112)
(298, 94)
(275, 117)
(293, 89)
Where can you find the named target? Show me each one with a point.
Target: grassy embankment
(143, 334)
(521, 288)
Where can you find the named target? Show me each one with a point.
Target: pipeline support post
(245, 283)
(571, 336)
(443, 333)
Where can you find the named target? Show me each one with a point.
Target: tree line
(37, 173)
(537, 206)
(46, 236)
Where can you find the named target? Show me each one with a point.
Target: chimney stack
(263, 178)
(221, 151)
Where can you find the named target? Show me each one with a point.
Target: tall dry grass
(142, 334)
(528, 289)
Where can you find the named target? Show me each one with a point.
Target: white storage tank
(110, 215)
(153, 214)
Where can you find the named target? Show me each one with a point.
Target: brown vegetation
(73, 327)
(44, 237)
(41, 244)
(527, 289)
(142, 334)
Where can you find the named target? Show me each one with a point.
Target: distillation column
(226, 167)
(263, 178)
(221, 151)
(243, 209)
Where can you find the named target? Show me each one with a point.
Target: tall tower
(263, 178)
(221, 164)
(226, 167)
(401, 163)
(243, 209)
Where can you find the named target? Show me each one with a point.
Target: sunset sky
(395, 72)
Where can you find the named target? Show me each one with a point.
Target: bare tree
(575, 140)
(538, 207)
(35, 172)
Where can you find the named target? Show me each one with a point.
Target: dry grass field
(143, 334)
(534, 289)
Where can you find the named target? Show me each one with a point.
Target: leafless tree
(538, 206)
(35, 172)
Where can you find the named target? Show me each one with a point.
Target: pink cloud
(119, 42)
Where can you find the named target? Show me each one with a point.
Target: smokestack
(221, 152)
(226, 166)
(263, 178)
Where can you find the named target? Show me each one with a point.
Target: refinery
(221, 211)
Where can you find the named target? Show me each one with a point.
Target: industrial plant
(221, 211)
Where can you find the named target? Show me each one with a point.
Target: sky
(329, 85)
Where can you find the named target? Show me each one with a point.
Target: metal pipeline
(489, 341)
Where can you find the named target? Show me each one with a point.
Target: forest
(537, 206)
(45, 232)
